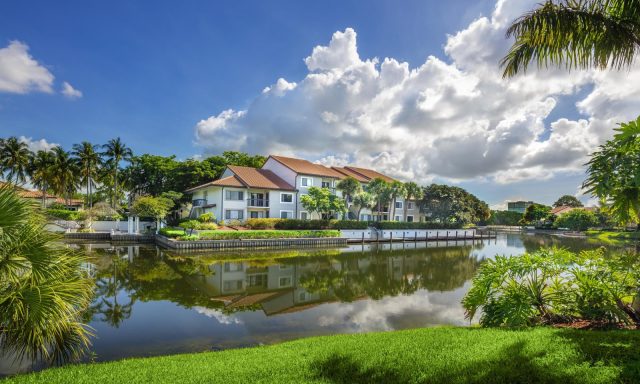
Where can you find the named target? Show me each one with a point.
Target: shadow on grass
(344, 369)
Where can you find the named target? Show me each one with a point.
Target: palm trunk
(393, 209)
(359, 211)
(404, 213)
(115, 188)
(44, 197)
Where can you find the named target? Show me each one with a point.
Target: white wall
(282, 171)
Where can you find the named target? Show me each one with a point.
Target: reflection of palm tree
(113, 312)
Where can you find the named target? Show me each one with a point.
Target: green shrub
(207, 226)
(302, 224)
(188, 238)
(172, 232)
(207, 218)
(262, 223)
(266, 234)
(577, 220)
(348, 224)
(414, 225)
(65, 214)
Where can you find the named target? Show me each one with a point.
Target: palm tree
(88, 161)
(363, 200)
(378, 188)
(41, 172)
(66, 176)
(116, 151)
(413, 193)
(396, 189)
(575, 34)
(349, 187)
(43, 291)
(14, 160)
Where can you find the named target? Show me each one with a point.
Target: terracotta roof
(230, 181)
(34, 194)
(306, 167)
(260, 178)
(364, 173)
(565, 208)
(355, 175)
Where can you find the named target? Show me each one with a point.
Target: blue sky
(189, 78)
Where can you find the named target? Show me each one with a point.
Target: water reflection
(152, 302)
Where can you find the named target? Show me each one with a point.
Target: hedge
(171, 232)
(349, 224)
(65, 214)
(303, 224)
(414, 225)
(264, 234)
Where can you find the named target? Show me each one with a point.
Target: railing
(258, 202)
(199, 202)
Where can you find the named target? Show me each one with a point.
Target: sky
(410, 88)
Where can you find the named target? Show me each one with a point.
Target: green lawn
(434, 355)
(613, 237)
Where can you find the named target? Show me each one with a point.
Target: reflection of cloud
(387, 313)
(221, 317)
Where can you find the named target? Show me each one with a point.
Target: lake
(150, 301)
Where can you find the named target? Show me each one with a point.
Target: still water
(154, 302)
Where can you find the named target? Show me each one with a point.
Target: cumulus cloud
(37, 145)
(70, 92)
(21, 73)
(455, 119)
(219, 316)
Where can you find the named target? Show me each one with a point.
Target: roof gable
(306, 167)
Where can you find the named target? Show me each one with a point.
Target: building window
(254, 214)
(306, 182)
(232, 285)
(285, 281)
(234, 195)
(398, 204)
(234, 214)
(232, 267)
(304, 215)
(410, 205)
(409, 219)
(398, 218)
(286, 198)
(257, 281)
(326, 184)
(302, 296)
(286, 214)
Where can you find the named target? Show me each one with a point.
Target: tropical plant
(41, 172)
(536, 213)
(568, 201)
(614, 173)
(115, 152)
(414, 192)
(322, 201)
(363, 200)
(88, 161)
(577, 220)
(149, 206)
(349, 186)
(379, 188)
(448, 204)
(397, 190)
(43, 288)
(505, 218)
(575, 34)
(14, 160)
(66, 177)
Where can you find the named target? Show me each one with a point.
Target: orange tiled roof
(368, 174)
(565, 208)
(260, 178)
(230, 181)
(306, 167)
(347, 172)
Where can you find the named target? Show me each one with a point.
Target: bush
(230, 235)
(207, 226)
(577, 220)
(188, 238)
(414, 225)
(262, 223)
(65, 214)
(348, 224)
(555, 285)
(172, 232)
(302, 224)
(207, 218)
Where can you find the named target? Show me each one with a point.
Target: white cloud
(219, 316)
(37, 145)
(70, 92)
(455, 119)
(21, 73)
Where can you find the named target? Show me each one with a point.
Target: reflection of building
(518, 206)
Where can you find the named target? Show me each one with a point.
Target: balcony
(260, 203)
(199, 202)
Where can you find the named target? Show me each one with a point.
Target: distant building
(518, 206)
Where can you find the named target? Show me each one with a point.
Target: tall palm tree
(575, 34)
(116, 151)
(414, 192)
(41, 172)
(378, 188)
(66, 176)
(88, 160)
(396, 189)
(43, 291)
(363, 200)
(14, 160)
(349, 187)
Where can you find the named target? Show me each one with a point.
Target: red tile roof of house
(247, 177)
(565, 208)
(355, 175)
(33, 194)
(363, 174)
(306, 167)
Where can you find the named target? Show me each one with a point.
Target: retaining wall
(250, 243)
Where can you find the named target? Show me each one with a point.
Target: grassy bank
(436, 355)
(613, 237)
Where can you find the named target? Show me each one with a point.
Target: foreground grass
(435, 355)
(613, 237)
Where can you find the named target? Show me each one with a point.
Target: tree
(535, 213)
(14, 160)
(614, 173)
(577, 220)
(379, 188)
(349, 186)
(43, 289)
(88, 160)
(575, 34)
(149, 206)
(396, 189)
(364, 200)
(41, 172)
(568, 201)
(449, 204)
(66, 176)
(116, 151)
(413, 193)
(322, 201)
(505, 218)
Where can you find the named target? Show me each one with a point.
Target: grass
(265, 234)
(434, 355)
(613, 237)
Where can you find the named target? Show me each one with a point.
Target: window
(232, 285)
(409, 219)
(234, 214)
(306, 182)
(302, 296)
(398, 218)
(285, 281)
(286, 198)
(232, 267)
(234, 195)
(304, 215)
(286, 214)
(326, 184)
(398, 204)
(410, 205)
(364, 217)
(254, 214)
(257, 281)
